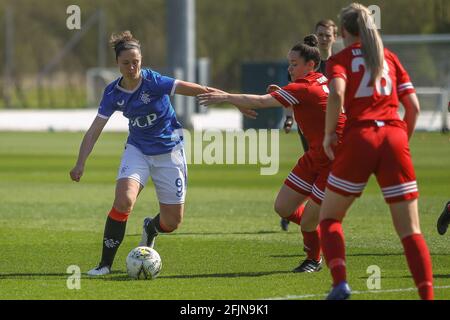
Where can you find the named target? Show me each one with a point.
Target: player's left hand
(287, 126)
(329, 141)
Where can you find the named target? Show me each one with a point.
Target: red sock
(419, 262)
(296, 217)
(311, 242)
(118, 216)
(333, 247)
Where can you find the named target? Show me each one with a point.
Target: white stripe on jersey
(288, 97)
(405, 86)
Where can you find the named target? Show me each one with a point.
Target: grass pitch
(230, 245)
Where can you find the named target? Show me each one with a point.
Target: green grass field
(230, 245)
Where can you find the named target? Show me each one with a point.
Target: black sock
(155, 226)
(112, 238)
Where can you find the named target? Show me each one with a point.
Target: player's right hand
(76, 173)
(330, 141)
(288, 124)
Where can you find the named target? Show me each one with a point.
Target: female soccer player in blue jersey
(154, 147)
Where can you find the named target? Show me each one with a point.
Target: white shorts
(168, 172)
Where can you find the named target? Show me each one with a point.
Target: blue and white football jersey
(154, 128)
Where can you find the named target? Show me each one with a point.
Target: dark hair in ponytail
(308, 50)
(123, 41)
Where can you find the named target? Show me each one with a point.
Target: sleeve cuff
(174, 87)
(405, 92)
(102, 116)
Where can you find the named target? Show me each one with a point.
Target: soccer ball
(143, 263)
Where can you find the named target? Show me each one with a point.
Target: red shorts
(309, 176)
(380, 148)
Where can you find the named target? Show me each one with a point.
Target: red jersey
(308, 97)
(362, 101)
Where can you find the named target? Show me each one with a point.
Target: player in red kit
(369, 80)
(326, 32)
(307, 95)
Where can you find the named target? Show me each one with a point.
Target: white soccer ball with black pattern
(143, 263)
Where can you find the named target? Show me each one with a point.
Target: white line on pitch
(305, 296)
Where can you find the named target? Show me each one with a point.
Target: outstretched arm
(89, 140)
(239, 100)
(192, 89)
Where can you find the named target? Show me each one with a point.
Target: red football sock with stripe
(333, 247)
(311, 242)
(296, 217)
(419, 262)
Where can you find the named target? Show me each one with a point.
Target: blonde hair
(357, 21)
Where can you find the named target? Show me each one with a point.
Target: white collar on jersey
(128, 91)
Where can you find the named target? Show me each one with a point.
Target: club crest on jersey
(145, 98)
